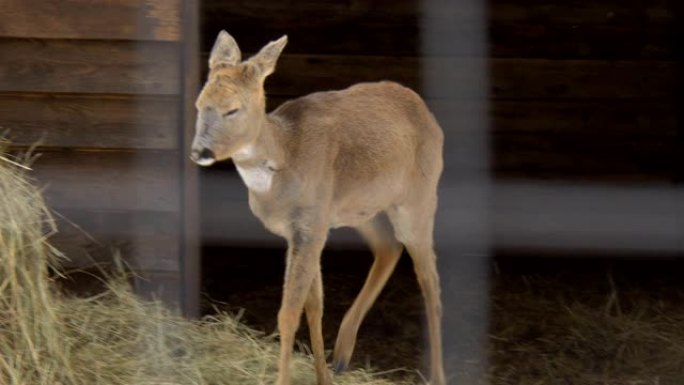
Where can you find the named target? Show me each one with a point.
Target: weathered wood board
(298, 75)
(89, 66)
(110, 180)
(92, 19)
(90, 121)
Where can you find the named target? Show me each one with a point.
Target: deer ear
(266, 59)
(225, 51)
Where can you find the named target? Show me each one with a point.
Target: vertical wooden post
(679, 93)
(190, 246)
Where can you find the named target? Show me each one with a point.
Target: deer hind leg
(387, 250)
(314, 317)
(414, 226)
(303, 265)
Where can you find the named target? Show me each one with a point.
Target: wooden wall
(578, 92)
(99, 86)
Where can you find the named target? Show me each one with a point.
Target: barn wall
(98, 86)
(573, 87)
(579, 92)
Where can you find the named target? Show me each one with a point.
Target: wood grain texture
(90, 121)
(582, 157)
(598, 42)
(618, 12)
(91, 19)
(147, 240)
(630, 118)
(190, 260)
(591, 219)
(582, 12)
(506, 40)
(298, 75)
(92, 66)
(604, 29)
(110, 180)
(636, 119)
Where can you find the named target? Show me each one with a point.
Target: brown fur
(369, 157)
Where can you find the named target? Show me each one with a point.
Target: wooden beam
(619, 219)
(506, 40)
(90, 121)
(190, 270)
(91, 66)
(110, 180)
(597, 42)
(582, 29)
(78, 19)
(622, 118)
(552, 11)
(581, 157)
(298, 75)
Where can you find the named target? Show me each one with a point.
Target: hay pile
(573, 330)
(48, 338)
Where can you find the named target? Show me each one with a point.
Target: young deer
(368, 157)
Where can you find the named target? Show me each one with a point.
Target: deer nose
(206, 154)
(203, 157)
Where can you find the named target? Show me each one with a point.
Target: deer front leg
(314, 317)
(303, 265)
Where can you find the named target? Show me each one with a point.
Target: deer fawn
(369, 157)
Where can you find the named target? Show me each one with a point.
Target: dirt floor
(544, 320)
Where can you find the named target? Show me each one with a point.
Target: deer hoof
(340, 366)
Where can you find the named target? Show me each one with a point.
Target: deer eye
(231, 112)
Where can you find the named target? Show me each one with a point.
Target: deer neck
(258, 161)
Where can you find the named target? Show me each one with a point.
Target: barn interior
(563, 165)
(561, 219)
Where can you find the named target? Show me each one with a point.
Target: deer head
(231, 107)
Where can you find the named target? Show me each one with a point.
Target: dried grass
(550, 331)
(113, 338)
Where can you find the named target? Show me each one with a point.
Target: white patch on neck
(257, 178)
(245, 153)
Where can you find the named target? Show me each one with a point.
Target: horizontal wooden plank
(298, 75)
(636, 42)
(637, 219)
(147, 240)
(574, 157)
(506, 40)
(634, 119)
(553, 11)
(88, 19)
(586, 79)
(93, 66)
(110, 180)
(90, 121)
(583, 29)
(579, 12)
